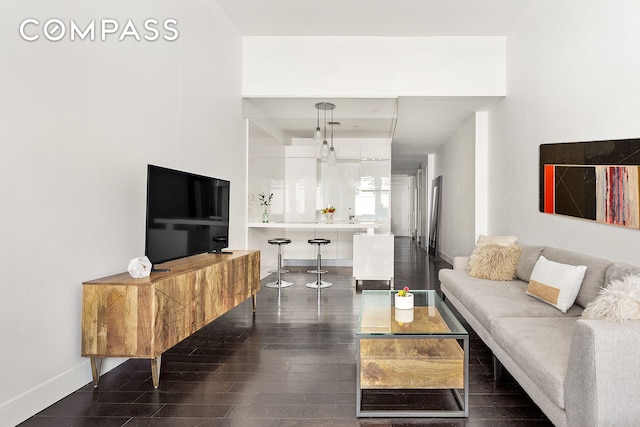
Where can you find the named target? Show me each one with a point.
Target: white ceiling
(418, 126)
(424, 124)
(374, 17)
(364, 118)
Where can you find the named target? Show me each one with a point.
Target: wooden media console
(142, 318)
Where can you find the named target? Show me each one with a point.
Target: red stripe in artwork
(549, 188)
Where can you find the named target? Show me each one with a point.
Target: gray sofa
(579, 372)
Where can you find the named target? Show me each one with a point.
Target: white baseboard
(312, 262)
(24, 406)
(446, 257)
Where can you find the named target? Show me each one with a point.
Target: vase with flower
(266, 202)
(403, 299)
(328, 213)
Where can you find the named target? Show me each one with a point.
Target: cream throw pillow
(494, 262)
(555, 283)
(496, 240)
(618, 301)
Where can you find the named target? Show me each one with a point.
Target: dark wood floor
(292, 364)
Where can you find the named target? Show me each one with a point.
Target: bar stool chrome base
(282, 283)
(323, 284)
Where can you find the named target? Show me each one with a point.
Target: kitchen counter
(315, 225)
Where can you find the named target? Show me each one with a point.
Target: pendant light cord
(325, 125)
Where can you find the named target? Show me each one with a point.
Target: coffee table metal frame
(458, 333)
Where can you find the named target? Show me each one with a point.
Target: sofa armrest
(460, 262)
(603, 376)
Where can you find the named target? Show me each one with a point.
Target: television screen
(187, 214)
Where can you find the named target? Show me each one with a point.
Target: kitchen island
(299, 252)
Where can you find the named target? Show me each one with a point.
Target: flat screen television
(187, 214)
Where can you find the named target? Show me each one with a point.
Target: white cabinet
(373, 257)
(348, 152)
(375, 152)
(299, 184)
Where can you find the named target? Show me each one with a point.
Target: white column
(482, 173)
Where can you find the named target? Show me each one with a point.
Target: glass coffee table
(410, 363)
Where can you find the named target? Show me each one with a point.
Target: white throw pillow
(555, 283)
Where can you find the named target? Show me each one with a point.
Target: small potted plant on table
(403, 300)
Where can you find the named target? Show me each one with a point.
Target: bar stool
(279, 283)
(318, 284)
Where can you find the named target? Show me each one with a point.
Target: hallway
(291, 364)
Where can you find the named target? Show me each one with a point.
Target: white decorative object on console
(139, 267)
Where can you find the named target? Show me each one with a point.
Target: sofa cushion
(528, 257)
(619, 270)
(488, 299)
(540, 347)
(556, 283)
(494, 262)
(594, 278)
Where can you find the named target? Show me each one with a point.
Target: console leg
(254, 300)
(96, 367)
(155, 371)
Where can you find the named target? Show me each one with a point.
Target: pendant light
(333, 158)
(317, 136)
(324, 149)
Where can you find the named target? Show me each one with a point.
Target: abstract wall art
(595, 180)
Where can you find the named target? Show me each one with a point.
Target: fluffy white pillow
(618, 301)
(495, 262)
(489, 240)
(555, 283)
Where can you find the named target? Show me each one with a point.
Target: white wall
(402, 189)
(481, 170)
(455, 161)
(355, 67)
(573, 76)
(266, 174)
(80, 122)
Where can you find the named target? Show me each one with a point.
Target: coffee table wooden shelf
(425, 348)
